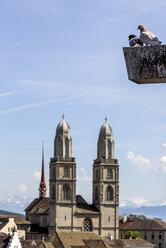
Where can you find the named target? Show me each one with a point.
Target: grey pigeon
(134, 41)
(148, 37)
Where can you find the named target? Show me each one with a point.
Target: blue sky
(66, 57)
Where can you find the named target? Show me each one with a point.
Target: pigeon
(148, 37)
(134, 41)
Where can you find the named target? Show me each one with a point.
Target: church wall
(79, 222)
(64, 217)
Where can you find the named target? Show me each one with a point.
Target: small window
(152, 236)
(8, 229)
(145, 236)
(108, 218)
(160, 236)
(109, 174)
(159, 245)
(97, 173)
(65, 217)
(66, 172)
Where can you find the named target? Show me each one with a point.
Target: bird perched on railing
(134, 41)
(148, 37)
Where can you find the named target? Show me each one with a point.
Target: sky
(61, 56)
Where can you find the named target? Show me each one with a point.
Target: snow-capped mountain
(151, 210)
(15, 204)
(155, 209)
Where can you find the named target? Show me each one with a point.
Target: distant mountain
(15, 204)
(148, 211)
(2, 212)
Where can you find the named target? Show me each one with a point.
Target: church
(63, 210)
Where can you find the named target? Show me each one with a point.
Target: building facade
(153, 231)
(66, 211)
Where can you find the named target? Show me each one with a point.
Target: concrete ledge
(146, 64)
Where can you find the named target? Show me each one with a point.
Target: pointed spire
(63, 116)
(42, 187)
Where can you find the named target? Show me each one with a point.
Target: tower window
(109, 193)
(66, 192)
(96, 193)
(53, 192)
(97, 173)
(66, 172)
(109, 174)
(88, 225)
(53, 172)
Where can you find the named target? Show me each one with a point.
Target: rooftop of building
(18, 220)
(138, 225)
(41, 206)
(127, 243)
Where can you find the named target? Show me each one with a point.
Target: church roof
(86, 209)
(63, 126)
(105, 129)
(41, 206)
(38, 206)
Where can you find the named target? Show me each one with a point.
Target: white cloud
(139, 161)
(37, 175)
(22, 187)
(163, 159)
(38, 104)
(9, 93)
(85, 176)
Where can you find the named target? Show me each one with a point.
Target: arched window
(66, 192)
(109, 193)
(88, 225)
(109, 174)
(96, 194)
(53, 192)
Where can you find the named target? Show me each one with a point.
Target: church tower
(62, 193)
(106, 183)
(42, 186)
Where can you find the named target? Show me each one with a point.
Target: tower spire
(42, 186)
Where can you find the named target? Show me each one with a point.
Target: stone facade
(146, 64)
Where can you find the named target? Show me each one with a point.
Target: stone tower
(106, 183)
(62, 196)
(42, 186)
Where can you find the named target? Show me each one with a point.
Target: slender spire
(42, 187)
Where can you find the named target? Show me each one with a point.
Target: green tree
(132, 234)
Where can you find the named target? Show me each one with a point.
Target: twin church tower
(63, 210)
